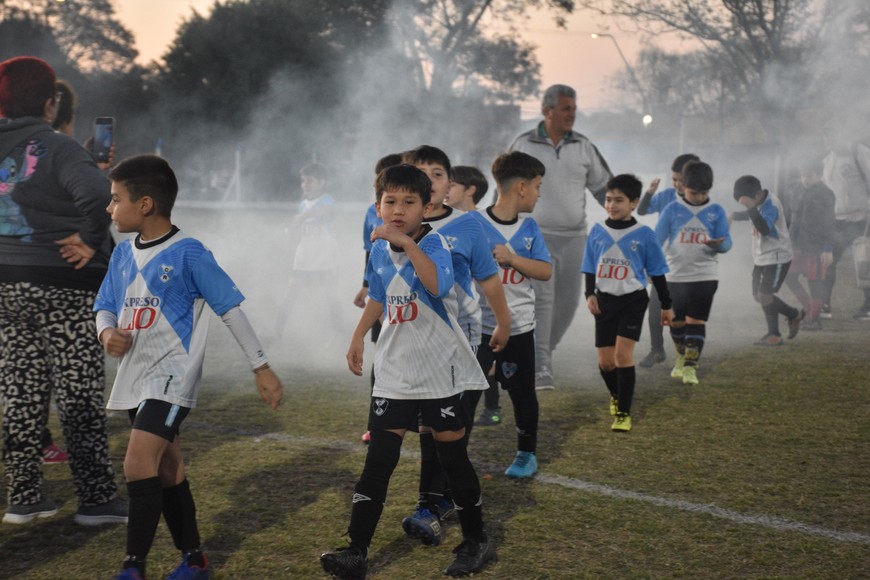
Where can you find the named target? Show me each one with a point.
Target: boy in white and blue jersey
(151, 314)
(519, 248)
(771, 254)
(370, 222)
(473, 264)
(693, 231)
(620, 254)
(655, 202)
(423, 364)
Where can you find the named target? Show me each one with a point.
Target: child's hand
(500, 337)
(653, 186)
(360, 299)
(392, 234)
(503, 256)
(592, 305)
(667, 316)
(116, 341)
(746, 202)
(269, 387)
(715, 242)
(355, 357)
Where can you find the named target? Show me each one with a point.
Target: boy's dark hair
(66, 107)
(388, 161)
(467, 175)
(151, 176)
(681, 160)
(428, 154)
(627, 184)
(315, 170)
(404, 177)
(508, 167)
(698, 175)
(746, 186)
(26, 82)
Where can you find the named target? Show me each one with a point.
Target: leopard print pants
(48, 341)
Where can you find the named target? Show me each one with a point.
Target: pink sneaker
(54, 454)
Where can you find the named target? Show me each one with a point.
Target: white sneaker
(544, 380)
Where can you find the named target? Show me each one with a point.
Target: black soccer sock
(465, 485)
(784, 309)
(525, 402)
(625, 379)
(610, 380)
(695, 336)
(772, 317)
(179, 511)
(491, 394)
(432, 477)
(146, 503)
(678, 335)
(370, 492)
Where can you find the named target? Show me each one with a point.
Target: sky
(569, 56)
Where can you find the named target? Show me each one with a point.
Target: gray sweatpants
(556, 299)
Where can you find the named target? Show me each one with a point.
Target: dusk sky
(570, 57)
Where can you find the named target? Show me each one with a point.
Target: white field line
(773, 522)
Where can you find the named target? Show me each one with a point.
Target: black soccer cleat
(345, 563)
(471, 557)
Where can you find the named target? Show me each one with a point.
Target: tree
(760, 45)
(86, 31)
(450, 42)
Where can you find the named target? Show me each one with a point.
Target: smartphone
(104, 135)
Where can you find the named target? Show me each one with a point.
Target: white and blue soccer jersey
(621, 259)
(421, 351)
(775, 247)
(472, 260)
(522, 237)
(682, 231)
(661, 199)
(158, 291)
(317, 249)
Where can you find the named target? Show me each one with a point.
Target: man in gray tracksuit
(573, 165)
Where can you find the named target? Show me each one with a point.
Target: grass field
(761, 471)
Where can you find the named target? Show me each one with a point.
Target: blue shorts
(447, 414)
(158, 417)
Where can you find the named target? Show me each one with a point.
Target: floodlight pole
(647, 116)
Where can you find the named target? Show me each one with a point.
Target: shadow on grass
(264, 499)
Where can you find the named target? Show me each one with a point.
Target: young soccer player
(150, 314)
(370, 222)
(693, 231)
(771, 254)
(619, 256)
(654, 202)
(518, 247)
(467, 188)
(472, 264)
(812, 228)
(423, 365)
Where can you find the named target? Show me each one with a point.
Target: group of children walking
(451, 291)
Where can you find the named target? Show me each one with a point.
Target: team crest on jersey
(528, 242)
(451, 241)
(166, 270)
(634, 244)
(508, 369)
(711, 217)
(379, 406)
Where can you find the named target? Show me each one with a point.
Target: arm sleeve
(740, 216)
(243, 332)
(643, 206)
(758, 221)
(79, 175)
(105, 319)
(661, 285)
(598, 176)
(590, 284)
